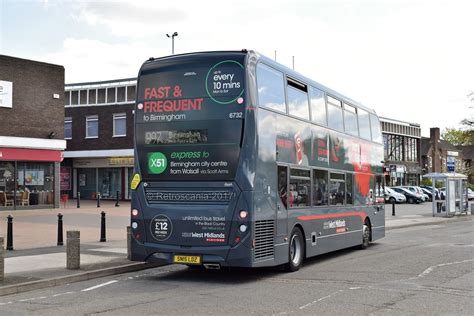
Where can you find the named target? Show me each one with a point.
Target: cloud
(92, 60)
(130, 19)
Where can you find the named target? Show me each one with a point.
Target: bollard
(117, 200)
(10, 232)
(98, 199)
(129, 243)
(73, 250)
(102, 227)
(60, 230)
(2, 260)
(78, 199)
(393, 208)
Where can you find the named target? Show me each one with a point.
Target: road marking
(99, 285)
(319, 300)
(431, 269)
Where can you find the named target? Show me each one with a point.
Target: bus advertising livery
(242, 162)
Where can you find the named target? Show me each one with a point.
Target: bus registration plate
(187, 259)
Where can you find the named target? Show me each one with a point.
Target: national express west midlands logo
(157, 163)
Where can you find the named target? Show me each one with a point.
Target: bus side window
(271, 88)
(283, 185)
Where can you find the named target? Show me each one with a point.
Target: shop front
(109, 177)
(29, 178)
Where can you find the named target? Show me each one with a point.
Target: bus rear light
(134, 225)
(243, 214)
(134, 212)
(243, 228)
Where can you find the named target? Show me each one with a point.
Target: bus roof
(288, 71)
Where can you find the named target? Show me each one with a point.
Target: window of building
(318, 106)
(120, 125)
(271, 88)
(93, 96)
(92, 126)
(297, 99)
(131, 93)
(335, 119)
(67, 97)
(121, 94)
(364, 124)
(101, 96)
(350, 120)
(110, 95)
(320, 187)
(83, 97)
(336, 188)
(375, 127)
(299, 189)
(74, 97)
(67, 128)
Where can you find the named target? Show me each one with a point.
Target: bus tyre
(295, 251)
(365, 236)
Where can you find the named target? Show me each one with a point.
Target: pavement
(37, 262)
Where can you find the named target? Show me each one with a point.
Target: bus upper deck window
(271, 89)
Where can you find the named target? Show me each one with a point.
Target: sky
(409, 60)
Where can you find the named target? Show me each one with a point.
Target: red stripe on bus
(362, 216)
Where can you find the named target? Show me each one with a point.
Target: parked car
(417, 191)
(392, 196)
(428, 193)
(410, 196)
(470, 194)
(429, 189)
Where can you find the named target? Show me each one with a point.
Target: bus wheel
(365, 236)
(295, 251)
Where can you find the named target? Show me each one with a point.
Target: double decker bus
(243, 162)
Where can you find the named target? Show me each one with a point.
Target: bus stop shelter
(453, 199)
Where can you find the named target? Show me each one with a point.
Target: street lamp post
(172, 36)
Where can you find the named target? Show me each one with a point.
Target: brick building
(98, 127)
(31, 133)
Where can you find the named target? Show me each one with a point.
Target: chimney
(435, 151)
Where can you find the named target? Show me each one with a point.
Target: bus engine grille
(264, 240)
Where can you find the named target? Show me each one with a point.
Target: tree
(458, 137)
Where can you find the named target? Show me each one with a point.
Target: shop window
(320, 187)
(68, 128)
(271, 88)
(299, 188)
(336, 188)
(35, 184)
(318, 106)
(87, 183)
(120, 125)
(92, 126)
(110, 182)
